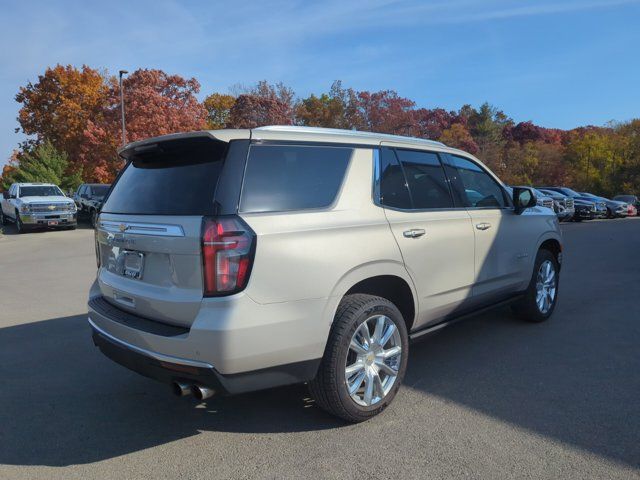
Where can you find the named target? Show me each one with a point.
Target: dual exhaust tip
(182, 389)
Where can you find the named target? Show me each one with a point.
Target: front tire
(541, 296)
(3, 219)
(19, 225)
(365, 359)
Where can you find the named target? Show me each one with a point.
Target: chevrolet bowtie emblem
(123, 227)
(51, 207)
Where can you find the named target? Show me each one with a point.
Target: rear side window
(393, 186)
(426, 179)
(170, 178)
(283, 178)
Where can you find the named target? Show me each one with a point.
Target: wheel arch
(389, 280)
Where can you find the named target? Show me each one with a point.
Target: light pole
(124, 131)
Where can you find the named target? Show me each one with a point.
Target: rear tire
(541, 296)
(368, 345)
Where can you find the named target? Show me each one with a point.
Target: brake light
(228, 246)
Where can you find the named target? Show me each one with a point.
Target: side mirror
(523, 198)
(5, 195)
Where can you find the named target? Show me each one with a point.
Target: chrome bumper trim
(148, 353)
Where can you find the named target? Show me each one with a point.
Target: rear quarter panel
(321, 254)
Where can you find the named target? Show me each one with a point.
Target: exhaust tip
(202, 393)
(181, 389)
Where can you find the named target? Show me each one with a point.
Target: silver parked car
(236, 260)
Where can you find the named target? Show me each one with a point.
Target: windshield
(100, 190)
(40, 191)
(571, 193)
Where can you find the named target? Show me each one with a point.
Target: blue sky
(559, 63)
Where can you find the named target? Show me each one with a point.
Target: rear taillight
(228, 246)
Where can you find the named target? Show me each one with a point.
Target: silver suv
(237, 260)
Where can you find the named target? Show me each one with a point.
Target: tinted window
(426, 180)
(393, 186)
(99, 190)
(280, 178)
(480, 189)
(175, 178)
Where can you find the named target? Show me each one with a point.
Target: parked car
(615, 209)
(89, 198)
(562, 205)
(30, 205)
(600, 206)
(632, 211)
(631, 200)
(542, 199)
(236, 260)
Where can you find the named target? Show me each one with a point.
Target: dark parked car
(615, 209)
(89, 198)
(601, 206)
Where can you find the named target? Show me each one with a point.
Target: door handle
(414, 233)
(483, 226)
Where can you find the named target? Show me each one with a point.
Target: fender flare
(363, 272)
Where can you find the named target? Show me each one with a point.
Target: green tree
(45, 164)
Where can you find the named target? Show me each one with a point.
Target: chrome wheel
(373, 360)
(546, 286)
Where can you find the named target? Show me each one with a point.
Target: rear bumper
(168, 369)
(235, 344)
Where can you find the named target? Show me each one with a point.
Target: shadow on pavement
(573, 379)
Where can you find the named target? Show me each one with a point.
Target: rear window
(170, 178)
(283, 178)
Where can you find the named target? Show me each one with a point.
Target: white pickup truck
(31, 205)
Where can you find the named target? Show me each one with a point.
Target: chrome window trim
(154, 229)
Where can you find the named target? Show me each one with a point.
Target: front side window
(480, 190)
(425, 178)
(282, 178)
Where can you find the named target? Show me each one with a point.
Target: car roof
(35, 184)
(297, 133)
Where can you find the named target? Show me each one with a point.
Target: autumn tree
(385, 112)
(251, 111)
(218, 107)
(58, 107)
(156, 104)
(432, 123)
(458, 136)
(336, 109)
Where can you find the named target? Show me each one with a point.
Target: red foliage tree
(251, 111)
(156, 104)
(385, 112)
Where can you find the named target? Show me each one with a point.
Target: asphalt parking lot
(487, 398)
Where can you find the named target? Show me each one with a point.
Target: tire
(3, 219)
(528, 307)
(93, 217)
(329, 387)
(19, 225)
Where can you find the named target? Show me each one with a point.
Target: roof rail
(349, 133)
